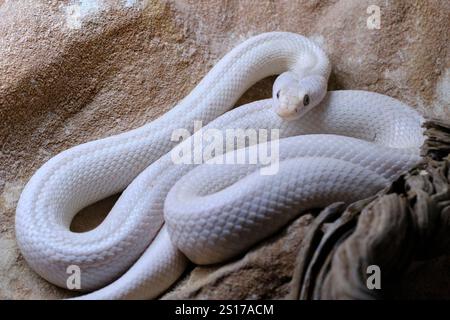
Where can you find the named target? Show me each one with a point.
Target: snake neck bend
(255, 59)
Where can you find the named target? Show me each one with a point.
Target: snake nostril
(278, 94)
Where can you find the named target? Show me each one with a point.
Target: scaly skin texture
(133, 246)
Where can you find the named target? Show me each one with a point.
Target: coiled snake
(333, 146)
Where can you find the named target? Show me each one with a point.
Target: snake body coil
(336, 146)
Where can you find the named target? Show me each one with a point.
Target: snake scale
(332, 146)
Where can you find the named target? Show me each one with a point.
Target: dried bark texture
(73, 71)
(406, 223)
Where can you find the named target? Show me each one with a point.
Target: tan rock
(263, 273)
(75, 71)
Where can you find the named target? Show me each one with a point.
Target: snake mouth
(290, 111)
(287, 106)
(287, 114)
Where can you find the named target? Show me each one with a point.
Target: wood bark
(407, 221)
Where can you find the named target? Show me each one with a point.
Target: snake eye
(305, 100)
(278, 94)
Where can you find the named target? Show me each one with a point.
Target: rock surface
(75, 71)
(263, 273)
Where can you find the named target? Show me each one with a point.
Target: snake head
(293, 97)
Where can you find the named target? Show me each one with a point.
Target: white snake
(335, 146)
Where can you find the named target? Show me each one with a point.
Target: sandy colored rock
(263, 273)
(74, 71)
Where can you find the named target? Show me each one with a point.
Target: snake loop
(340, 145)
